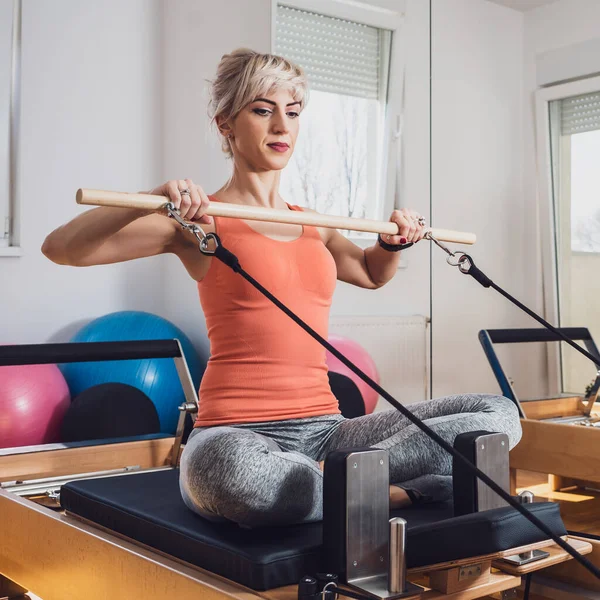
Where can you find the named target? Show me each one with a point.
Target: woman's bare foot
(398, 498)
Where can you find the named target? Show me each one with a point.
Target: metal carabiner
(199, 233)
(451, 255)
(454, 259)
(174, 214)
(428, 236)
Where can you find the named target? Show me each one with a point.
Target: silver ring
(185, 192)
(388, 238)
(421, 221)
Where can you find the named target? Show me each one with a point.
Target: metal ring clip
(455, 259)
(208, 237)
(464, 263)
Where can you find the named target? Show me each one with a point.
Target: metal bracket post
(189, 407)
(357, 526)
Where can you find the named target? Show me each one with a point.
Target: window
(10, 41)
(575, 127)
(337, 165)
(573, 140)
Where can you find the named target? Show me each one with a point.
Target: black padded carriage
(148, 508)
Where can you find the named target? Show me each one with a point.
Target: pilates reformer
(89, 550)
(561, 435)
(106, 519)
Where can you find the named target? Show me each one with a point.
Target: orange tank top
(263, 366)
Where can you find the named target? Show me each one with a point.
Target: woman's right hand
(192, 206)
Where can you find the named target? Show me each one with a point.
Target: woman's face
(265, 131)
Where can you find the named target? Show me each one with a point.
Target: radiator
(400, 348)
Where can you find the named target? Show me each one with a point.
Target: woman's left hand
(411, 225)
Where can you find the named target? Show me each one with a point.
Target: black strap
(392, 247)
(232, 261)
(485, 281)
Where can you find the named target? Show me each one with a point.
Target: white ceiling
(523, 5)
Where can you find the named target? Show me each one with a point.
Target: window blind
(580, 113)
(338, 56)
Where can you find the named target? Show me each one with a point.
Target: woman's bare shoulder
(324, 232)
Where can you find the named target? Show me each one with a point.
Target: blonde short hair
(244, 75)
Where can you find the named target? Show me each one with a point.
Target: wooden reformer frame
(57, 555)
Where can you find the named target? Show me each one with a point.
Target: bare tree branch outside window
(585, 191)
(586, 234)
(329, 170)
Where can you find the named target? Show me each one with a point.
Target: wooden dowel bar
(251, 213)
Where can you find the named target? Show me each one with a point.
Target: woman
(267, 416)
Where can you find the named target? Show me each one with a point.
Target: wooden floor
(580, 508)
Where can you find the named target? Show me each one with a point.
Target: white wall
(561, 24)
(91, 99)
(563, 28)
(477, 174)
(196, 37)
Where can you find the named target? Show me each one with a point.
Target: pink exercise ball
(33, 401)
(361, 358)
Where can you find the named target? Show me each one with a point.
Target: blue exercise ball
(156, 377)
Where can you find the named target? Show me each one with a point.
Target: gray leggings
(258, 474)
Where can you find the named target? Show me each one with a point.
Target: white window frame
(382, 18)
(13, 248)
(543, 98)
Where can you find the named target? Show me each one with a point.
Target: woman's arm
(108, 235)
(373, 267)
(351, 261)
